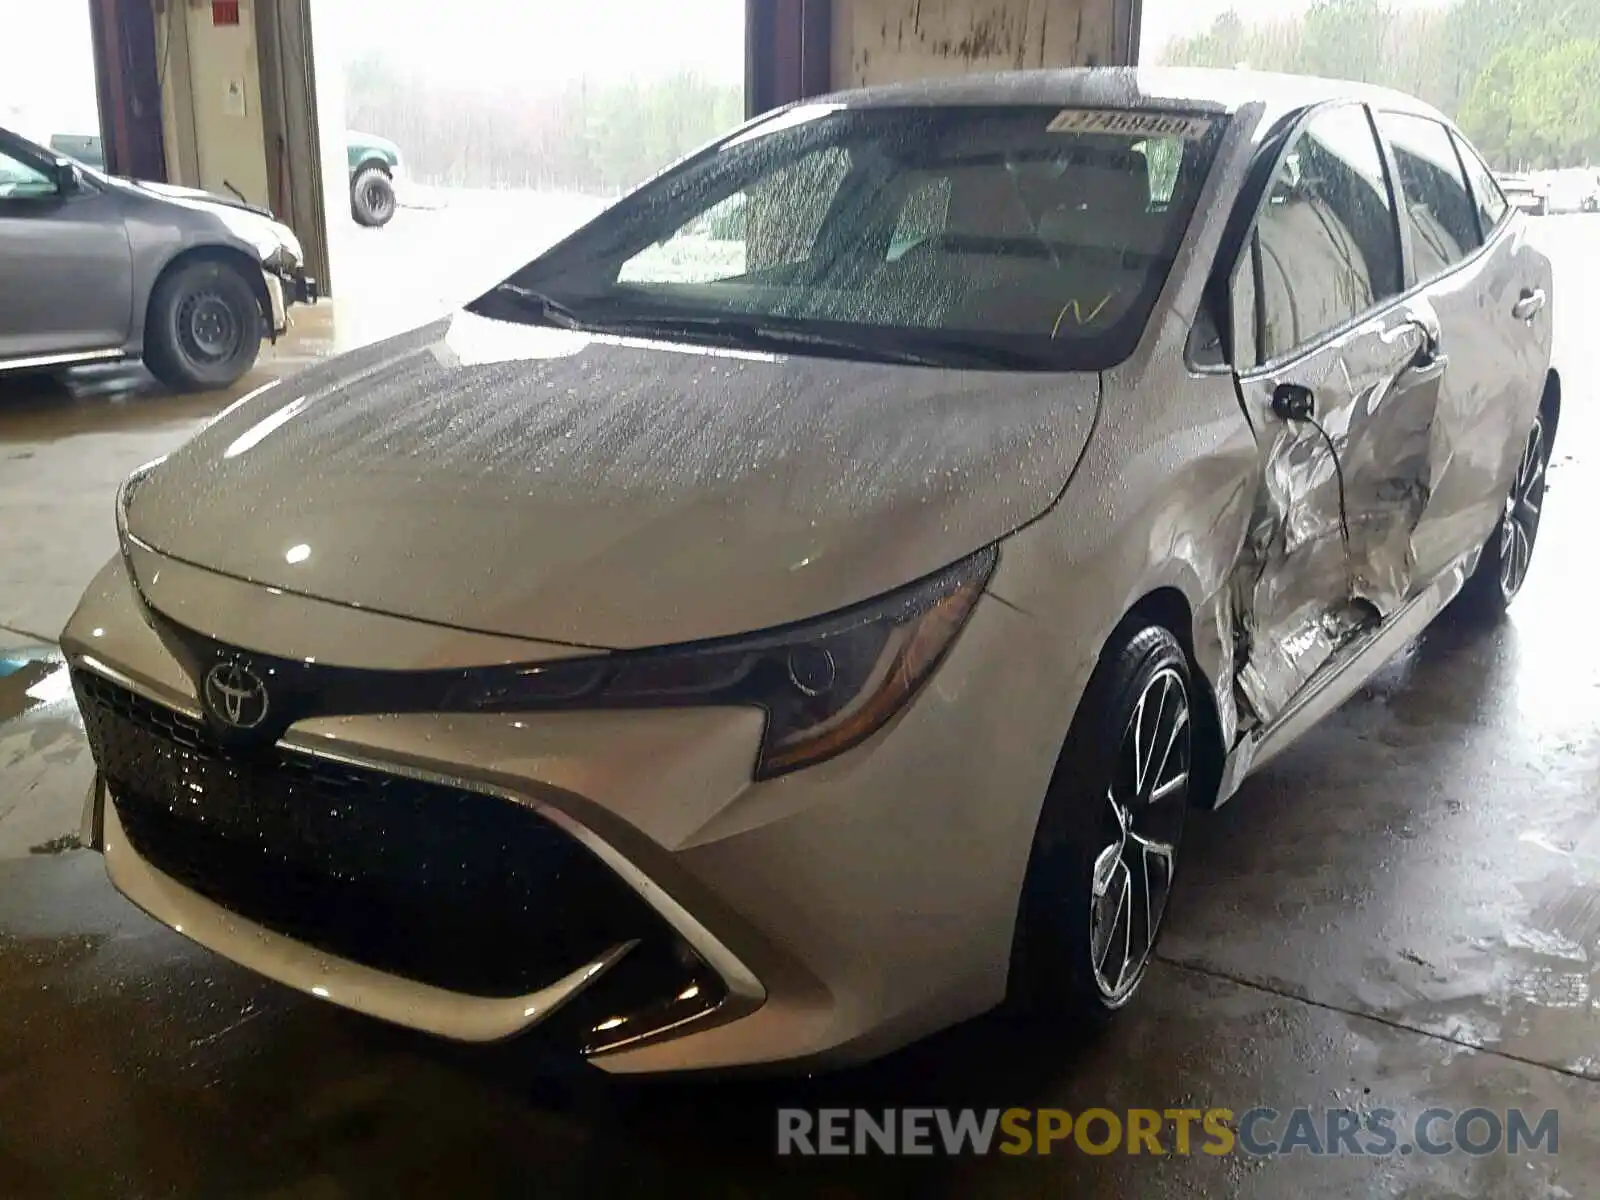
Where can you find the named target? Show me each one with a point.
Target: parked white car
(780, 660)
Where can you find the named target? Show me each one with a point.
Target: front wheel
(1105, 852)
(203, 327)
(1503, 565)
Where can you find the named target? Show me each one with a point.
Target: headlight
(291, 244)
(268, 238)
(826, 685)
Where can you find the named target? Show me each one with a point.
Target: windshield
(1015, 237)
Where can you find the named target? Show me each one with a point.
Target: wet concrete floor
(1403, 913)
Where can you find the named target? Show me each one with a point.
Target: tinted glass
(1438, 207)
(1490, 201)
(1327, 240)
(1015, 236)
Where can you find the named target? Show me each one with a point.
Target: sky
(1168, 19)
(556, 40)
(47, 85)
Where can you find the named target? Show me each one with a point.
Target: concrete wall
(885, 41)
(224, 77)
(211, 100)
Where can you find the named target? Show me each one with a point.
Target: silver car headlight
(274, 242)
(825, 685)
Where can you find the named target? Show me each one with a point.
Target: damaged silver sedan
(797, 611)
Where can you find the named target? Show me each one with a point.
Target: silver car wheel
(1520, 524)
(1143, 822)
(208, 329)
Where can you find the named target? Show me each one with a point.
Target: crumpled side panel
(1301, 590)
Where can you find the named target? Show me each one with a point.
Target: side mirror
(67, 182)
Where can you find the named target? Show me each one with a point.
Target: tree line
(599, 137)
(1521, 77)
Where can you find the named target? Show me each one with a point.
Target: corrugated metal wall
(799, 48)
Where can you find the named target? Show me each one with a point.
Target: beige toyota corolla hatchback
(797, 611)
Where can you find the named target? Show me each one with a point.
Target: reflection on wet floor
(1402, 912)
(108, 397)
(45, 766)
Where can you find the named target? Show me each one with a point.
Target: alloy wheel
(1520, 524)
(1142, 824)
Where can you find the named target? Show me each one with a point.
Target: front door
(1340, 379)
(66, 273)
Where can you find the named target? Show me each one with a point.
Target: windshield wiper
(934, 350)
(756, 335)
(544, 307)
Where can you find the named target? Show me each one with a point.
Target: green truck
(374, 162)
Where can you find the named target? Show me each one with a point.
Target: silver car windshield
(1020, 237)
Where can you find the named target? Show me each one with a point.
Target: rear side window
(1490, 201)
(1327, 246)
(1437, 206)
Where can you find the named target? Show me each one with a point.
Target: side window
(20, 180)
(1437, 206)
(1328, 245)
(773, 225)
(1489, 200)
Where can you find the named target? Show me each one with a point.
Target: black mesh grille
(442, 885)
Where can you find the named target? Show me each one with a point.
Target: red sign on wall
(224, 12)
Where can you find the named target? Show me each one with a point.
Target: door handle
(1430, 361)
(1428, 366)
(1529, 305)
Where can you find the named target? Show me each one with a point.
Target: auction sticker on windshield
(1122, 120)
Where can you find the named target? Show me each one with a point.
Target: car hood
(608, 492)
(172, 191)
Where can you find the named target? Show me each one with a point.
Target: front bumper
(284, 289)
(828, 915)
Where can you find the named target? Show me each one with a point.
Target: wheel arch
(371, 160)
(1550, 403)
(247, 266)
(1168, 607)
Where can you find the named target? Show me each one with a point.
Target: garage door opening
(470, 145)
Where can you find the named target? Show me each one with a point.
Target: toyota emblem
(236, 695)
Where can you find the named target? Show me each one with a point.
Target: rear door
(1337, 374)
(1466, 267)
(66, 273)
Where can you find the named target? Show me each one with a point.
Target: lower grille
(442, 885)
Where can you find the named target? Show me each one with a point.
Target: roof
(1191, 88)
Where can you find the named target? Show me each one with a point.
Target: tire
(1074, 955)
(1503, 565)
(203, 327)
(372, 200)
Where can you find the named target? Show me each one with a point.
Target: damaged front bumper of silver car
(287, 283)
